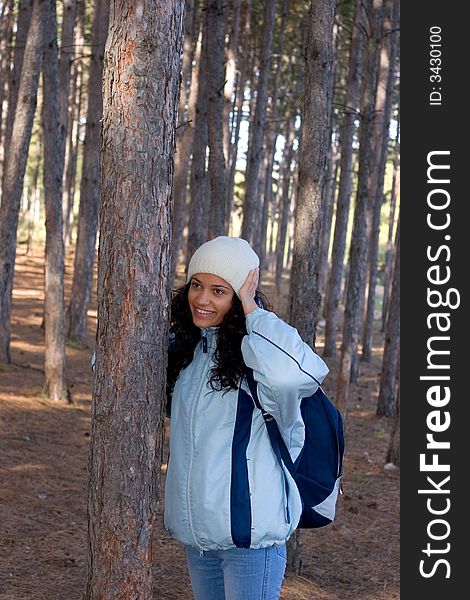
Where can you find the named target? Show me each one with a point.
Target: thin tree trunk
(133, 295)
(345, 184)
(230, 73)
(285, 200)
(393, 451)
(6, 38)
(357, 253)
(271, 138)
(33, 190)
(303, 296)
(22, 26)
(215, 92)
(387, 390)
(330, 181)
(72, 144)
(199, 205)
(15, 168)
(55, 385)
(89, 191)
(389, 255)
(185, 131)
(255, 150)
(381, 134)
(233, 148)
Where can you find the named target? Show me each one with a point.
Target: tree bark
(73, 123)
(89, 190)
(255, 150)
(15, 168)
(387, 390)
(185, 132)
(357, 252)
(55, 385)
(233, 147)
(381, 135)
(140, 98)
(199, 205)
(215, 75)
(303, 296)
(345, 184)
(393, 451)
(25, 8)
(6, 37)
(389, 255)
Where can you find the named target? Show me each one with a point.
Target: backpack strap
(277, 442)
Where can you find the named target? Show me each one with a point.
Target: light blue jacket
(224, 486)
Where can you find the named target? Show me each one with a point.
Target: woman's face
(210, 298)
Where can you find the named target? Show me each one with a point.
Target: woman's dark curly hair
(229, 366)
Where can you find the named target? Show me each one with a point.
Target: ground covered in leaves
(43, 480)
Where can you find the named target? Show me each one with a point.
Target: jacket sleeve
(284, 366)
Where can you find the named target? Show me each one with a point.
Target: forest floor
(43, 479)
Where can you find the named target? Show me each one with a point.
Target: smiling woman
(227, 499)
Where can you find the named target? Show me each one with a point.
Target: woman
(226, 498)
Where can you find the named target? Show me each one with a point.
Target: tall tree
(140, 99)
(380, 144)
(393, 451)
(89, 190)
(345, 184)
(215, 130)
(25, 8)
(185, 132)
(390, 358)
(303, 296)
(357, 252)
(199, 205)
(255, 149)
(54, 315)
(15, 167)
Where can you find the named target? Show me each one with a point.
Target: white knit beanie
(230, 258)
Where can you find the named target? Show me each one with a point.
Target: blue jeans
(237, 574)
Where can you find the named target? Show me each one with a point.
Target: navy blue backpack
(319, 468)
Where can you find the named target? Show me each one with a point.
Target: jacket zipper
(188, 496)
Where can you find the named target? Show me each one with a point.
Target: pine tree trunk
(389, 255)
(184, 134)
(25, 8)
(143, 48)
(55, 386)
(6, 38)
(199, 205)
(89, 191)
(215, 75)
(238, 107)
(230, 73)
(73, 125)
(15, 167)
(393, 451)
(255, 150)
(284, 200)
(357, 253)
(345, 185)
(303, 297)
(381, 134)
(330, 181)
(387, 390)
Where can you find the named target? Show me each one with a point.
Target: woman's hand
(248, 290)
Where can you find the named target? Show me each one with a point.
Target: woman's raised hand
(248, 290)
